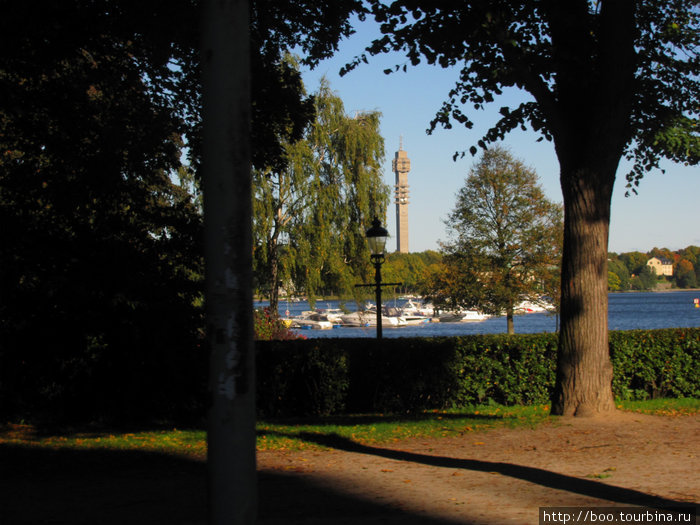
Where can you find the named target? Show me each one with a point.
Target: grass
(380, 428)
(299, 434)
(664, 407)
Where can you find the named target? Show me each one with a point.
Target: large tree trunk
(584, 370)
(590, 124)
(228, 257)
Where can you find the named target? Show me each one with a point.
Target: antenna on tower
(400, 142)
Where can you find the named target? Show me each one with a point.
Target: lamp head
(376, 237)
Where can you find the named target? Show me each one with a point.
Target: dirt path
(495, 477)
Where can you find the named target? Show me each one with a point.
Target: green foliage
(301, 378)
(684, 274)
(655, 363)
(629, 270)
(101, 263)
(268, 327)
(506, 237)
(309, 216)
(409, 375)
(101, 258)
(618, 274)
(410, 269)
(646, 280)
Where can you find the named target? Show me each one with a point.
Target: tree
(684, 274)
(505, 236)
(645, 280)
(101, 262)
(621, 274)
(310, 217)
(410, 269)
(614, 283)
(634, 261)
(607, 79)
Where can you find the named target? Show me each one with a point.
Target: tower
(401, 166)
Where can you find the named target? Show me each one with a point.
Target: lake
(626, 311)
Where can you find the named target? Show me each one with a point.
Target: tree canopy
(310, 217)
(505, 238)
(100, 116)
(100, 244)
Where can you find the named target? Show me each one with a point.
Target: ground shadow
(88, 487)
(546, 478)
(370, 419)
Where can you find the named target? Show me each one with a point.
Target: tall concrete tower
(401, 166)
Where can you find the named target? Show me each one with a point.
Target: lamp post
(376, 239)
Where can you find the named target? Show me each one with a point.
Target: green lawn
(296, 434)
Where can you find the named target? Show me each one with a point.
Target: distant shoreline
(660, 291)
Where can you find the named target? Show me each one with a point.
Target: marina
(626, 311)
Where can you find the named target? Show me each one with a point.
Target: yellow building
(661, 266)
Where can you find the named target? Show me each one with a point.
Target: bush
(655, 363)
(327, 376)
(268, 328)
(301, 377)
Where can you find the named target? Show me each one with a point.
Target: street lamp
(376, 239)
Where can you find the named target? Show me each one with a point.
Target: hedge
(333, 376)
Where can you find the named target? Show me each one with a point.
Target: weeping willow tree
(311, 215)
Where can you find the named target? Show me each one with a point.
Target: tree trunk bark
(274, 278)
(228, 259)
(584, 370)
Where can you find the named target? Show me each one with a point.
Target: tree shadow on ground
(370, 419)
(88, 487)
(545, 478)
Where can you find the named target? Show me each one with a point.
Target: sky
(665, 213)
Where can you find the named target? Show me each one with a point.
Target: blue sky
(666, 212)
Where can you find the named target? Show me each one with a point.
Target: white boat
(332, 315)
(528, 307)
(311, 320)
(369, 318)
(356, 319)
(463, 316)
(413, 308)
(415, 313)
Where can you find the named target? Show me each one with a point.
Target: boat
(309, 320)
(403, 316)
(412, 308)
(463, 316)
(357, 319)
(529, 307)
(369, 318)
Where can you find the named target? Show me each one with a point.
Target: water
(626, 311)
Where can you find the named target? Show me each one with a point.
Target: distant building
(661, 266)
(401, 166)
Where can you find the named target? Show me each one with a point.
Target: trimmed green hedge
(330, 376)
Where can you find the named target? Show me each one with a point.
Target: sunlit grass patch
(664, 407)
(381, 428)
(319, 433)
